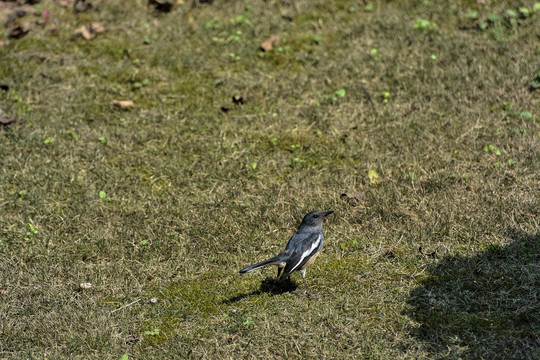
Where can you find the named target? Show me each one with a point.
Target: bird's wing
(301, 248)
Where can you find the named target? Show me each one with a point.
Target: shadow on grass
(270, 286)
(484, 306)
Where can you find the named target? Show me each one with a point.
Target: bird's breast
(310, 261)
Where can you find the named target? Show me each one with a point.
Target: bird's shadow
(269, 286)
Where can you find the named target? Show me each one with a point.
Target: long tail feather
(272, 261)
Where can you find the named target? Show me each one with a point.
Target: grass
(158, 206)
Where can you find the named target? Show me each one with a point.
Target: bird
(301, 250)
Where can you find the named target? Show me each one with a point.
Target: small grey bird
(301, 250)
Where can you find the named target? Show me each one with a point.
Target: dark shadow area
(268, 285)
(484, 306)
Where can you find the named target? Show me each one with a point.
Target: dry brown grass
(456, 146)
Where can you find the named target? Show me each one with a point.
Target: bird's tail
(272, 261)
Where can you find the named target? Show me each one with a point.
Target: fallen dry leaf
(85, 32)
(97, 27)
(3, 292)
(269, 44)
(352, 198)
(374, 177)
(6, 120)
(123, 103)
(12, 14)
(85, 286)
(90, 31)
(132, 339)
(17, 29)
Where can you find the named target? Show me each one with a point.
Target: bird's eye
(315, 216)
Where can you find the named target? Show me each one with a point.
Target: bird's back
(302, 236)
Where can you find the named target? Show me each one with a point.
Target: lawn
(146, 158)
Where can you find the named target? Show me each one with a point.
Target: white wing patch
(307, 253)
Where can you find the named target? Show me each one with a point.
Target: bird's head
(315, 219)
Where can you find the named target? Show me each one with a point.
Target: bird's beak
(328, 213)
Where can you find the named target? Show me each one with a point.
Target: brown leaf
(6, 120)
(131, 339)
(269, 44)
(352, 198)
(97, 28)
(85, 32)
(17, 30)
(89, 31)
(3, 292)
(124, 104)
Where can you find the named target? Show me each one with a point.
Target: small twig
(125, 306)
(368, 95)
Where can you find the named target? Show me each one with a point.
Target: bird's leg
(279, 270)
(309, 293)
